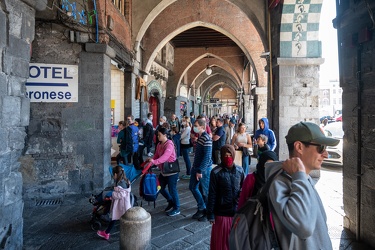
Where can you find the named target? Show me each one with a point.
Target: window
(119, 5)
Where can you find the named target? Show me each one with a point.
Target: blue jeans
(200, 197)
(245, 164)
(185, 155)
(171, 195)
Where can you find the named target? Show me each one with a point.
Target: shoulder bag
(171, 167)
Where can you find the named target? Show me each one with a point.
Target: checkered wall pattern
(299, 31)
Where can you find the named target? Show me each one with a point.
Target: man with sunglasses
(297, 211)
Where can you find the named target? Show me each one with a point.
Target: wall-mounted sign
(52, 83)
(183, 91)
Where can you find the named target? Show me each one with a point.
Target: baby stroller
(102, 201)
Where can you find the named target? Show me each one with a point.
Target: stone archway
(156, 37)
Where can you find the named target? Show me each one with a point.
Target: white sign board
(52, 83)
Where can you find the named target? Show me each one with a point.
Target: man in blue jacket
(265, 130)
(131, 140)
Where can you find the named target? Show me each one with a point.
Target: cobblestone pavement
(66, 225)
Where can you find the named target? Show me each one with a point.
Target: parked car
(329, 118)
(335, 153)
(339, 118)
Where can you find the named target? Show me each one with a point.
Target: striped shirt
(203, 153)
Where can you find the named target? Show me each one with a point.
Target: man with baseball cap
(298, 212)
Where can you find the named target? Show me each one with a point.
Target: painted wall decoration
(76, 11)
(299, 30)
(154, 85)
(115, 130)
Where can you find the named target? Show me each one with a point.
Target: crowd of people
(218, 176)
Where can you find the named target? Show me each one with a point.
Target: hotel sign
(52, 83)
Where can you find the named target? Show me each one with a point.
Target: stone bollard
(135, 229)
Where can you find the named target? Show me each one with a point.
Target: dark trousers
(110, 226)
(148, 147)
(120, 159)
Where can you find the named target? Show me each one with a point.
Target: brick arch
(218, 72)
(220, 62)
(253, 9)
(211, 82)
(183, 15)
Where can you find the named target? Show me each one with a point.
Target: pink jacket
(164, 153)
(120, 202)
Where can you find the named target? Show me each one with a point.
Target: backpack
(149, 187)
(252, 227)
(148, 133)
(127, 142)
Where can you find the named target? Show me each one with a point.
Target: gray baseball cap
(309, 132)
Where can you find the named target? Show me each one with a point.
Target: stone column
(161, 103)
(129, 97)
(16, 34)
(95, 94)
(298, 97)
(248, 113)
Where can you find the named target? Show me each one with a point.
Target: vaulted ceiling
(201, 37)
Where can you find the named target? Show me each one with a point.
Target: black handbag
(171, 167)
(245, 151)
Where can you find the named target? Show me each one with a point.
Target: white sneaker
(150, 154)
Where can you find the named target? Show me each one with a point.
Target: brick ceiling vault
(170, 18)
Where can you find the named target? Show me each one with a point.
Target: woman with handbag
(165, 158)
(242, 142)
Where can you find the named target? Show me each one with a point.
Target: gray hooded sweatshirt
(298, 212)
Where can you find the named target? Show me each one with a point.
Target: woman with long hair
(242, 142)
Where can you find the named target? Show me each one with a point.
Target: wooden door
(153, 103)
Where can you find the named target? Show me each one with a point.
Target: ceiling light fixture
(208, 70)
(221, 88)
